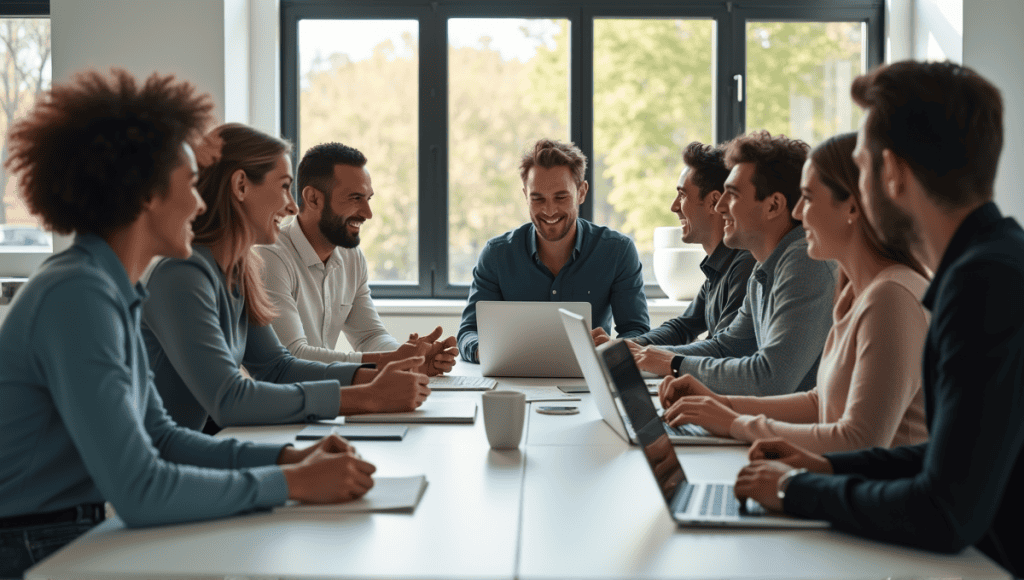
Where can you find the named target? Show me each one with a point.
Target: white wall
(938, 30)
(993, 46)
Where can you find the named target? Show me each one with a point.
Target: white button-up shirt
(318, 301)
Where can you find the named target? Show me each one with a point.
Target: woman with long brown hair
(208, 315)
(869, 390)
(111, 161)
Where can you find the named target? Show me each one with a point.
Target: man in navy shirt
(927, 150)
(558, 256)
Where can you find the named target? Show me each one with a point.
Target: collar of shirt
(978, 221)
(719, 260)
(582, 229)
(107, 260)
(763, 273)
(305, 250)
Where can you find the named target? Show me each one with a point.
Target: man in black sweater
(927, 150)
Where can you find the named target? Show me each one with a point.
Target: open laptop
(603, 389)
(525, 339)
(704, 503)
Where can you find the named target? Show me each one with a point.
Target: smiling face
(744, 215)
(827, 222)
(693, 212)
(554, 201)
(174, 211)
(267, 203)
(348, 206)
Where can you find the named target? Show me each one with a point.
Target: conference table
(574, 501)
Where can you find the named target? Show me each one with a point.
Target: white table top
(574, 501)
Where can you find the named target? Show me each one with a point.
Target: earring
(849, 221)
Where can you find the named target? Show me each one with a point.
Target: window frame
(15, 264)
(730, 57)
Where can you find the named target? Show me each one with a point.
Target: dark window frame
(730, 18)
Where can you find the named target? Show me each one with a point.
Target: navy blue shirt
(604, 270)
(720, 297)
(962, 487)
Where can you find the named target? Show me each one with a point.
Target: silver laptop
(603, 390)
(525, 339)
(703, 503)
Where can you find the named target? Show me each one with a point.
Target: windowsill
(436, 307)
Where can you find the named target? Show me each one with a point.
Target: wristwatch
(677, 361)
(786, 478)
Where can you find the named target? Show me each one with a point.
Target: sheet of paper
(388, 494)
(536, 394)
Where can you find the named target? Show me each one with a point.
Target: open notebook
(388, 494)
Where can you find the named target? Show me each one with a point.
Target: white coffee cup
(504, 412)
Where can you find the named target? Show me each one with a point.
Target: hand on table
(599, 336)
(652, 359)
(328, 476)
(396, 388)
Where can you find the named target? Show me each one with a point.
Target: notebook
(703, 503)
(430, 412)
(603, 382)
(524, 339)
(354, 432)
(388, 494)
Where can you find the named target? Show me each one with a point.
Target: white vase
(677, 264)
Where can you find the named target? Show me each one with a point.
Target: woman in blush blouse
(869, 390)
(208, 315)
(110, 160)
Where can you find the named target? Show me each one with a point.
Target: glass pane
(508, 85)
(799, 76)
(359, 86)
(25, 58)
(654, 93)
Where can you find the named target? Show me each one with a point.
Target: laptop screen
(648, 426)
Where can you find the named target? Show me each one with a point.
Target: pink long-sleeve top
(868, 391)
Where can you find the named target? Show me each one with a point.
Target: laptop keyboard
(455, 383)
(719, 500)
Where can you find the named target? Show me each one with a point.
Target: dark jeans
(24, 547)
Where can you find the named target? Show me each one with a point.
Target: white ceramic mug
(504, 412)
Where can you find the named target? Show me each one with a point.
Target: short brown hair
(707, 163)
(548, 153)
(225, 150)
(778, 163)
(943, 119)
(93, 151)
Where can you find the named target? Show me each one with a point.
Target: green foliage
(653, 94)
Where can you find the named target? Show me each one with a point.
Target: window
(25, 72)
(443, 97)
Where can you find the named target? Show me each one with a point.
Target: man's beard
(895, 227)
(334, 228)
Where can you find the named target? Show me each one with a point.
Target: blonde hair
(225, 150)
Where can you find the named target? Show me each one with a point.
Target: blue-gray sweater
(774, 344)
(80, 419)
(198, 334)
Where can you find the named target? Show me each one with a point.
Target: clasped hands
(329, 471)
